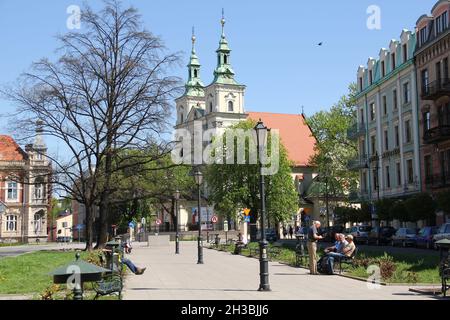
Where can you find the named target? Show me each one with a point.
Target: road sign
(214, 219)
(131, 225)
(247, 212)
(225, 226)
(158, 222)
(247, 219)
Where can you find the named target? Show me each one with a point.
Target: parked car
(64, 239)
(380, 235)
(271, 235)
(331, 232)
(405, 237)
(360, 233)
(442, 233)
(425, 237)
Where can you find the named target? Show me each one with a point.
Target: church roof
(10, 150)
(295, 134)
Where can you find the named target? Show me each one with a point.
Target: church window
(195, 73)
(225, 57)
(230, 106)
(210, 107)
(181, 117)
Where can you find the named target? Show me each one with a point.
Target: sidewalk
(228, 277)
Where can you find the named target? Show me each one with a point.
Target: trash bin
(217, 240)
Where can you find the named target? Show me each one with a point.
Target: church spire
(223, 74)
(194, 85)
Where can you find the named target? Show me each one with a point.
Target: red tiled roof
(10, 150)
(295, 134)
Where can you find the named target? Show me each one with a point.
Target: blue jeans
(130, 265)
(333, 255)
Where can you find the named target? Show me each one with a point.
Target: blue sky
(274, 43)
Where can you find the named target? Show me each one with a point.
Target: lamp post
(377, 187)
(198, 180)
(261, 141)
(176, 195)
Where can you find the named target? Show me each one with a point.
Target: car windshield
(364, 228)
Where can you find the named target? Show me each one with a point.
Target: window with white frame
(11, 223)
(12, 191)
(423, 35)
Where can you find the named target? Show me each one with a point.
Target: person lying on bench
(133, 268)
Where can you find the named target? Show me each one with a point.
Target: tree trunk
(89, 227)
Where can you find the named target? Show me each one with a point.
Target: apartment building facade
(386, 127)
(432, 63)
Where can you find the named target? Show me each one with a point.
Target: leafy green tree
(236, 186)
(443, 200)
(383, 207)
(334, 149)
(421, 207)
(398, 211)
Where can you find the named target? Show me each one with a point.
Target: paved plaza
(228, 277)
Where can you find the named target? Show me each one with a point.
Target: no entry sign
(214, 219)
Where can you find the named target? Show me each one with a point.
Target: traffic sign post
(225, 228)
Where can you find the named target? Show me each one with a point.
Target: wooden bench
(348, 260)
(112, 282)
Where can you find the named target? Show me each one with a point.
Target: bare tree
(108, 92)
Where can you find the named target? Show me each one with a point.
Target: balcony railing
(436, 89)
(357, 163)
(356, 130)
(440, 180)
(437, 134)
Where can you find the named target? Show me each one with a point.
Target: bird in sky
(320, 43)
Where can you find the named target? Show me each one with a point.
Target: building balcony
(356, 130)
(436, 89)
(435, 181)
(437, 134)
(357, 163)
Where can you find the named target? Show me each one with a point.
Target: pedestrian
(291, 231)
(313, 237)
(284, 232)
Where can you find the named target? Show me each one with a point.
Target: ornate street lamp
(261, 142)
(176, 196)
(199, 180)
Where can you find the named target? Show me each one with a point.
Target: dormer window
(360, 83)
(230, 106)
(370, 77)
(393, 61)
(423, 36)
(383, 69)
(441, 23)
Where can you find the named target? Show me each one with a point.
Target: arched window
(225, 59)
(230, 106)
(39, 189)
(11, 223)
(37, 222)
(181, 117)
(210, 107)
(195, 73)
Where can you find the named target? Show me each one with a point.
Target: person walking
(291, 231)
(313, 237)
(285, 232)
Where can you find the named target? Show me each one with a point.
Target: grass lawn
(28, 273)
(406, 267)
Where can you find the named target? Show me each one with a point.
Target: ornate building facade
(24, 190)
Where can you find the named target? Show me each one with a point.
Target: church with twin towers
(218, 105)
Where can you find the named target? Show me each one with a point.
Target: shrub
(387, 266)
(50, 292)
